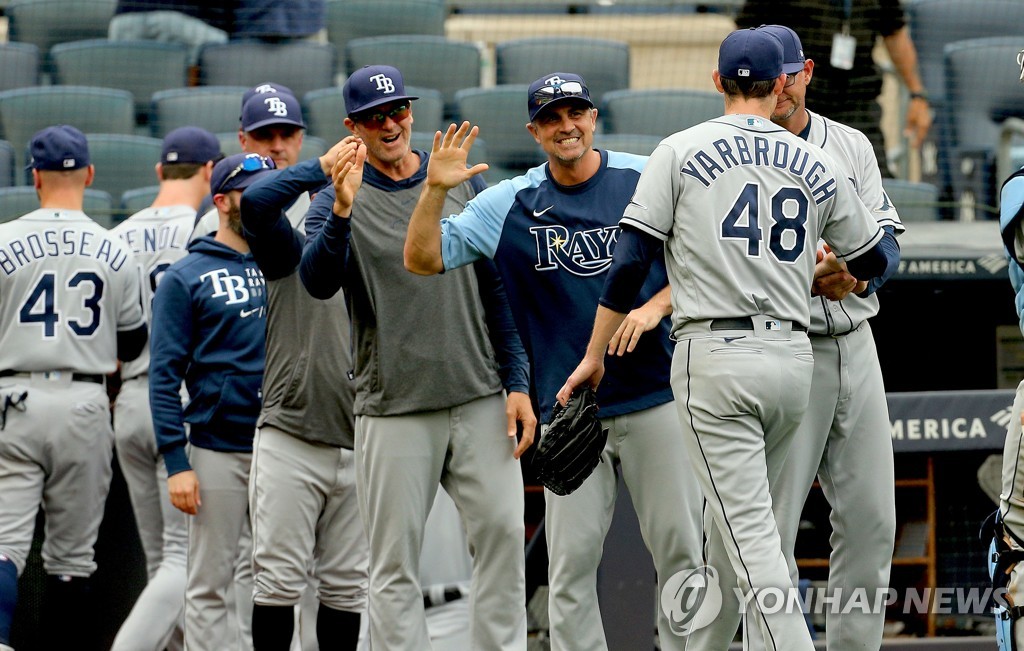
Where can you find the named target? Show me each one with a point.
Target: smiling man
(551, 232)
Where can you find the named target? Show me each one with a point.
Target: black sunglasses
(378, 118)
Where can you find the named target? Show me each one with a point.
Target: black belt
(95, 378)
(451, 593)
(744, 323)
(838, 334)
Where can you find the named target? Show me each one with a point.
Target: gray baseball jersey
(843, 438)
(772, 197)
(66, 288)
(741, 204)
(157, 237)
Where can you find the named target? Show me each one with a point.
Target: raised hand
(447, 166)
(347, 175)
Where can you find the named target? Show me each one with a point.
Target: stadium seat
(324, 111)
(7, 158)
(983, 89)
(134, 200)
(214, 108)
(19, 65)
(45, 23)
(500, 112)
(123, 162)
(425, 61)
(312, 146)
(915, 202)
(301, 65)
(603, 63)
(140, 67)
(24, 111)
(21, 200)
(658, 112)
(351, 19)
(641, 144)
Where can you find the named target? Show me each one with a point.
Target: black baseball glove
(570, 448)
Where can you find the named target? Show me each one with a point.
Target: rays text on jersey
(21, 251)
(585, 252)
(759, 151)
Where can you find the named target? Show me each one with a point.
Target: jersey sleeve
(652, 208)
(474, 233)
(850, 228)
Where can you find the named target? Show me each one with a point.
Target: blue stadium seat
(45, 23)
(123, 162)
(21, 200)
(603, 63)
(136, 199)
(500, 112)
(301, 65)
(641, 144)
(19, 65)
(351, 19)
(659, 112)
(214, 108)
(915, 202)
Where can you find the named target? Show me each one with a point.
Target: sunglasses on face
(545, 94)
(790, 79)
(377, 119)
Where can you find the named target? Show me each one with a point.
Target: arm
(904, 57)
(130, 343)
(513, 365)
(634, 253)
(276, 246)
(445, 170)
(170, 352)
(324, 264)
(643, 319)
(833, 280)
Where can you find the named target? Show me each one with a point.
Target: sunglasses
(545, 94)
(250, 163)
(790, 79)
(377, 119)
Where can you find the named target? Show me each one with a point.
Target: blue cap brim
(377, 102)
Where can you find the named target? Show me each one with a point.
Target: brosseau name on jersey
(52, 242)
(156, 238)
(762, 152)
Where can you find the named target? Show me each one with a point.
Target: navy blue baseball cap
(238, 172)
(265, 87)
(752, 54)
(60, 147)
(266, 109)
(189, 145)
(372, 86)
(554, 88)
(792, 49)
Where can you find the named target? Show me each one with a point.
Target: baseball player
(302, 487)
(157, 236)
(209, 317)
(270, 125)
(551, 233)
(1007, 550)
(738, 205)
(69, 308)
(429, 405)
(846, 427)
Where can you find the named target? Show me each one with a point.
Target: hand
(447, 166)
(919, 120)
(184, 490)
(643, 319)
(328, 160)
(590, 371)
(518, 408)
(347, 176)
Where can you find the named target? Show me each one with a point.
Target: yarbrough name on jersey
(50, 243)
(586, 252)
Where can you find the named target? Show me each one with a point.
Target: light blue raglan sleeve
(1011, 200)
(475, 233)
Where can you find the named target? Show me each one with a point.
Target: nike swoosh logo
(245, 313)
(539, 213)
(729, 340)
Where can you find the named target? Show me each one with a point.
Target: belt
(835, 336)
(95, 378)
(433, 598)
(744, 323)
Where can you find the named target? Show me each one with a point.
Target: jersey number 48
(788, 213)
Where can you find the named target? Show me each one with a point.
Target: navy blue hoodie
(209, 329)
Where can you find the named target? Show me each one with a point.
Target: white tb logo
(276, 106)
(384, 83)
(225, 284)
(265, 88)
(553, 81)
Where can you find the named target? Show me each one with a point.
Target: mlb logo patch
(754, 122)
(69, 162)
(743, 72)
(772, 325)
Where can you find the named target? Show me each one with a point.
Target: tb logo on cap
(553, 81)
(384, 83)
(276, 106)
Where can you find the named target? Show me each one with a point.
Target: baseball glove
(570, 448)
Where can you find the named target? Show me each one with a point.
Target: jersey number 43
(41, 305)
(789, 219)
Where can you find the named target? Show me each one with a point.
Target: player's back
(157, 238)
(67, 286)
(743, 203)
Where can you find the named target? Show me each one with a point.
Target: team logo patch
(384, 83)
(276, 106)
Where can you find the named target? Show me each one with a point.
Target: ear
(717, 78)
(35, 178)
(208, 172)
(780, 84)
(90, 174)
(532, 128)
(241, 139)
(350, 125)
(808, 70)
(221, 202)
(159, 169)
